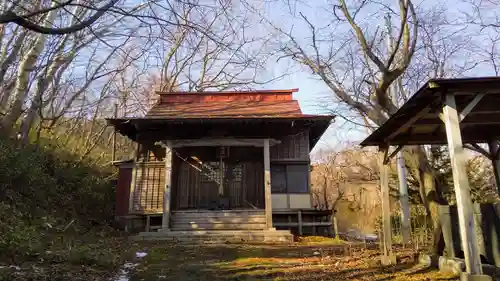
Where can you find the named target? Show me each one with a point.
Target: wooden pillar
(113, 152)
(221, 172)
(388, 257)
(335, 226)
(267, 185)
(494, 153)
(462, 191)
(403, 199)
(168, 188)
(299, 222)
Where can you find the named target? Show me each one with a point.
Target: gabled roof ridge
(276, 91)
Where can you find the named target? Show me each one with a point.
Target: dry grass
(266, 262)
(319, 240)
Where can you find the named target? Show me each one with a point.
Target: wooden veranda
(459, 113)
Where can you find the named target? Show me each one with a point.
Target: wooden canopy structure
(418, 121)
(461, 113)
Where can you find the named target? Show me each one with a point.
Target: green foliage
(49, 200)
(40, 182)
(17, 235)
(479, 173)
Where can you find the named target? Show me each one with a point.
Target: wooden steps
(219, 236)
(218, 220)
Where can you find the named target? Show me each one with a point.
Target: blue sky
(313, 93)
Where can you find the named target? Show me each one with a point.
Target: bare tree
(192, 60)
(484, 19)
(342, 177)
(29, 14)
(359, 75)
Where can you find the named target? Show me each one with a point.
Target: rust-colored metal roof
(253, 92)
(180, 115)
(232, 104)
(234, 109)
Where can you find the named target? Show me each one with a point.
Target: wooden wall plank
(294, 147)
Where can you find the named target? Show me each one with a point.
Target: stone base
(455, 266)
(388, 260)
(468, 277)
(429, 260)
(219, 236)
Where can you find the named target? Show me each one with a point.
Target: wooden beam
(431, 117)
(148, 223)
(469, 107)
(393, 153)
(165, 224)
(295, 224)
(222, 142)
(475, 147)
(433, 85)
(474, 90)
(497, 155)
(495, 161)
(408, 123)
(113, 152)
(267, 185)
(388, 257)
(472, 119)
(132, 189)
(462, 189)
(221, 172)
(477, 134)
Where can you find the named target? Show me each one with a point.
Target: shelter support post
(468, 236)
(403, 199)
(388, 257)
(267, 185)
(168, 187)
(495, 160)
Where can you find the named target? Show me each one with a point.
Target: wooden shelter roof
(269, 113)
(418, 122)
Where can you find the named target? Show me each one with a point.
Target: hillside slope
(56, 215)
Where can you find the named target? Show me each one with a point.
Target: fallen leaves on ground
(276, 262)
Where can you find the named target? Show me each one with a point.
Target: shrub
(42, 190)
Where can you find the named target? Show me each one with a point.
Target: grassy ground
(309, 259)
(267, 262)
(89, 258)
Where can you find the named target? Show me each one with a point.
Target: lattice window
(149, 187)
(211, 172)
(234, 172)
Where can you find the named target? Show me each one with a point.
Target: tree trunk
(430, 193)
(26, 66)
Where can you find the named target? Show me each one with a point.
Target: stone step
(219, 220)
(217, 214)
(219, 236)
(217, 225)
